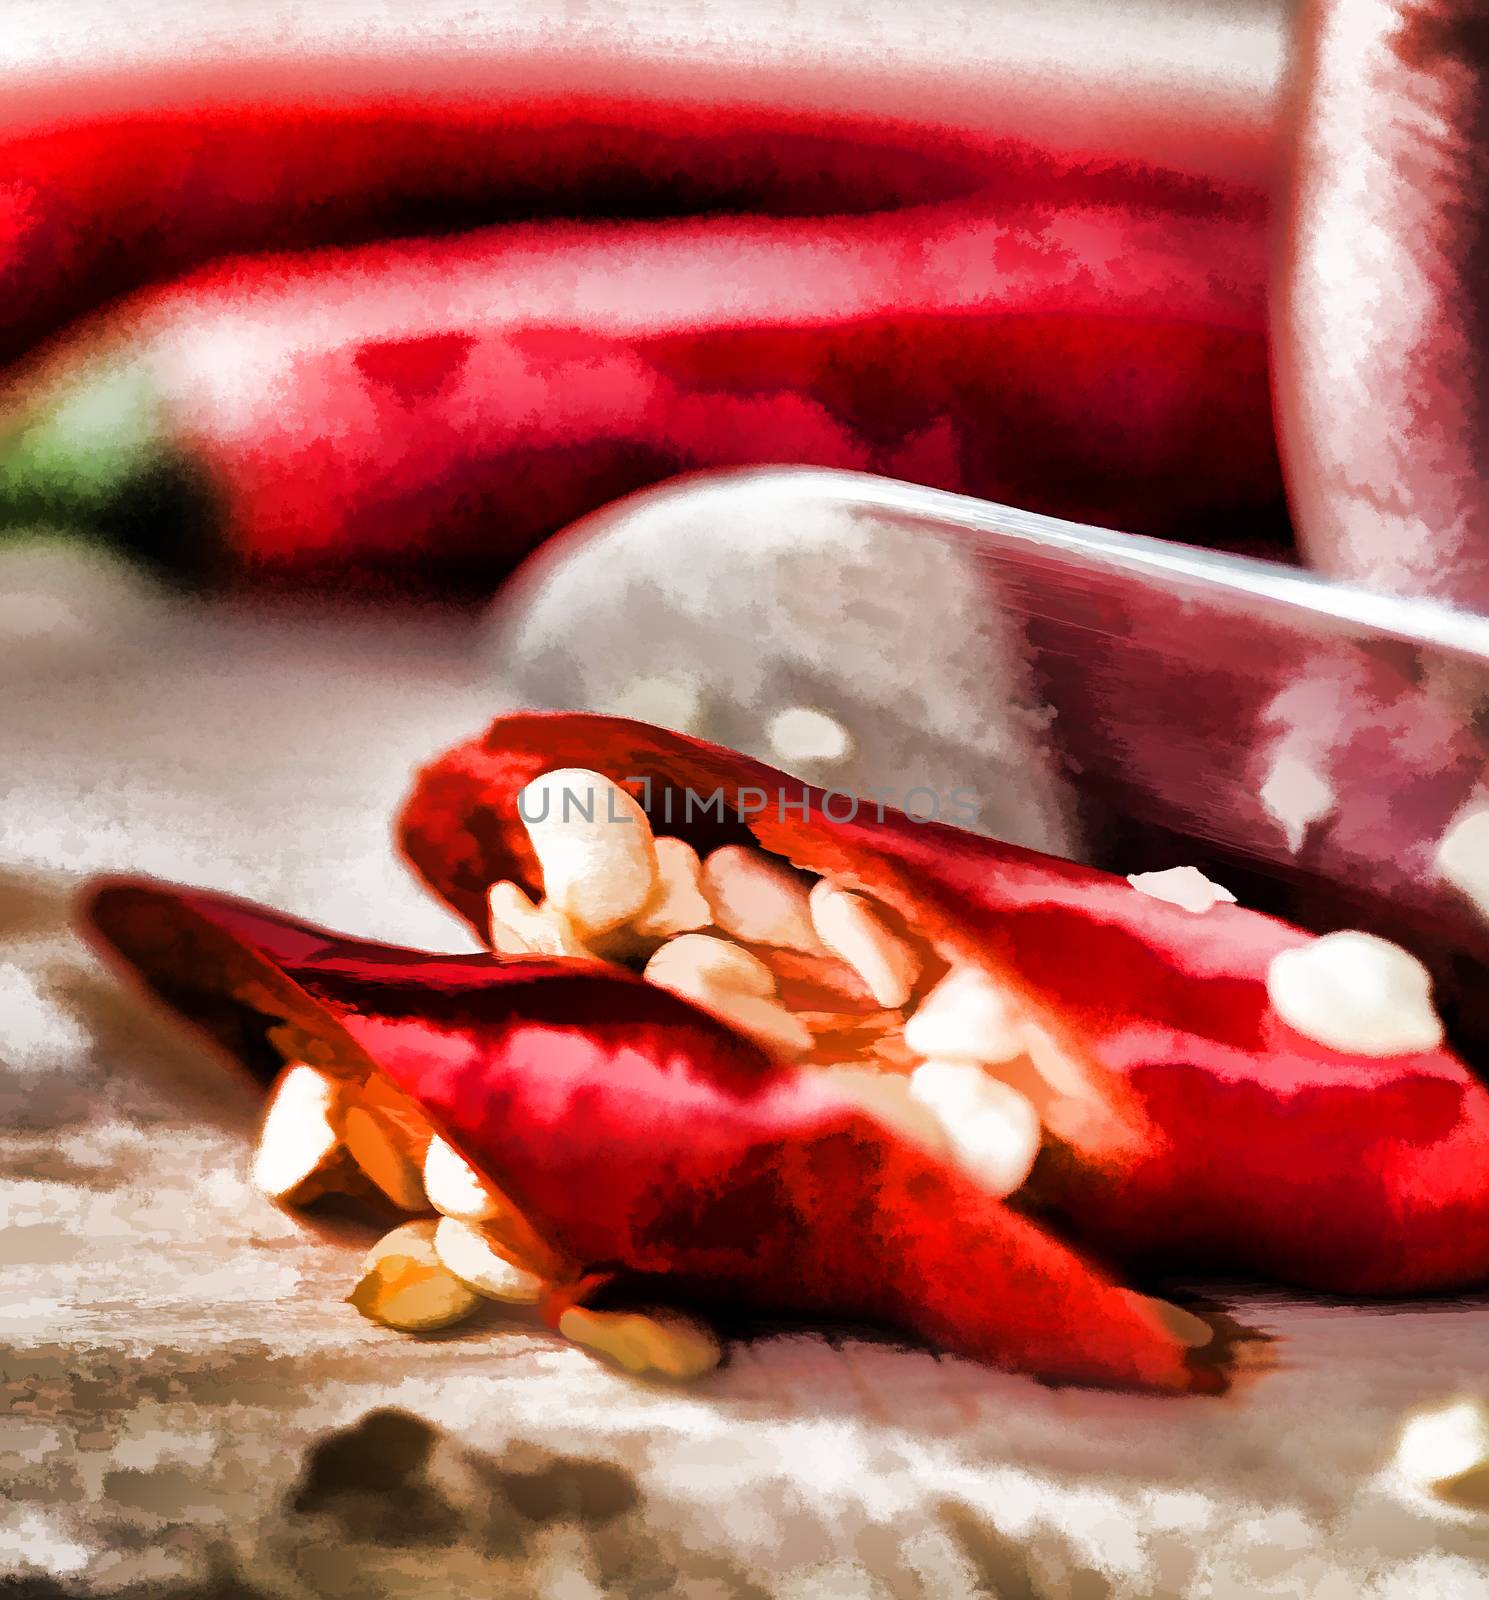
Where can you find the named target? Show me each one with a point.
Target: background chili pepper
(395, 450)
(1383, 298)
(1216, 1138)
(128, 163)
(1103, 361)
(98, 209)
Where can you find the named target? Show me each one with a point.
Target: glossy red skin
(645, 1139)
(103, 204)
(1232, 1143)
(1087, 345)
(1383, 363)
(125, 166)
(440, 456)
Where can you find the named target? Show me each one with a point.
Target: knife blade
(1122, 700)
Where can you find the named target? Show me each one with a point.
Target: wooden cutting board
(190, 1407)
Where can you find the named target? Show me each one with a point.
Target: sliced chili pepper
(640, 1138)
(649, 1140)
(434, 409)
(1206, 1133)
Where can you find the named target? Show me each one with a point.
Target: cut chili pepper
(648, 1140)
(1206, 1134)
(643, 1139)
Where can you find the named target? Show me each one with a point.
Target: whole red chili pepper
(1382, 298)
(645, 1139)
(104, 206)
(120, 170)
(434, 409)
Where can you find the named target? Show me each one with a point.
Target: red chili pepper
(120, 170)
(645, 1138)
(1214, 1137)
(96, 209)
(1383, 410)
(435, 409)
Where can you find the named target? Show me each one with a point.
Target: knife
(1125, 701)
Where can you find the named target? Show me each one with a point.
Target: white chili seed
(775, 1029)
(852, 929)
(1185, 887)
(405, 1286)
(455, 1188)
(655, 1343)
(1187, 1328)
(518, 927)
(703, 962)
(759, 899)
(594, 845)
(968, 1016)
(678, 905)
(736, 986)
(299, 1138)
(993, 1130)
(1444, 1449)
(401, 1293)
(886, 1097)
(801, 735)
(464, 1249)
(414, 1239)
(1356, 992)
(1053, 1064)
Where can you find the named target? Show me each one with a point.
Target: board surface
(189, 1407)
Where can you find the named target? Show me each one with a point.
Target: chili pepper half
(646, 1138)
(1194, 1127)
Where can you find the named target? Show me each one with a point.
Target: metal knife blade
(1118, 699)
